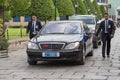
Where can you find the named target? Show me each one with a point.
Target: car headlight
(93, 30)
(32, 46)
(73, 45)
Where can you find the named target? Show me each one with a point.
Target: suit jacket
(30, 28)
(111, 28)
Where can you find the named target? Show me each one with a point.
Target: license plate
(51, 54)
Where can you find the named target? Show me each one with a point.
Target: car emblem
(45, 45)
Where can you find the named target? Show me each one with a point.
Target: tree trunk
(67, 17)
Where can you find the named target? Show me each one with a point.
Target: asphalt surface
(15, 67)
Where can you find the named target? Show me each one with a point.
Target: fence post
(21, 31)
(7, 35)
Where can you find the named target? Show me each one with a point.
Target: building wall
(21, 22)
(114, 5)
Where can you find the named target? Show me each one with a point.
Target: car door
(88, 38)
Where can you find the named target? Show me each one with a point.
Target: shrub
(3, 44)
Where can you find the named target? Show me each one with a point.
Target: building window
(27, 19)
(119, 13)
(101, 1)
(16, 19)
(63, 18)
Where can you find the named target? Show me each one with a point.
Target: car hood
(91, 26)
(58, 38)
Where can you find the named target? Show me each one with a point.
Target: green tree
(102, 8)
(82, 8)
(86, 6)
(43, 9)
(65, 8)
(91, 9)
(1, 2)
(15, 8)
(99, 15)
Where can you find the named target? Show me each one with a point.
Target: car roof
(103, 20)
(83, 15)
(66, 21)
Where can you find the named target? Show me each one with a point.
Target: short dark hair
(106, 14)
(34, 15)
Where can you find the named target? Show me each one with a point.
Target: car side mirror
(89, 33)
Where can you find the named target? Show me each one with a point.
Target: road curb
(18, 43)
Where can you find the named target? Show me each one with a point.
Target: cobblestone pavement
(16, 68)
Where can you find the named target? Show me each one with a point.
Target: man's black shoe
(103, 57)
(108, 56)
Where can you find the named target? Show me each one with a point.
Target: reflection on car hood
(91, 26)
(57, 38)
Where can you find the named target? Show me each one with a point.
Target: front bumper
(36, 55)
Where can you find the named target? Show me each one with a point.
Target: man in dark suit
(108, 29)
(33, 27)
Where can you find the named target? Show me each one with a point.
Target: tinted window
(86, 19)
(61, 28)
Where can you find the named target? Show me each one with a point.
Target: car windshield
(61, 28)
(86, 19)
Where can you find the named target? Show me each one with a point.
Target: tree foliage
(1, 2)
(65, 7)
(99, 15)
(81, 7)
(91, 9)
(15, 8)
(86, 6)
(43, 9)
(102, 8)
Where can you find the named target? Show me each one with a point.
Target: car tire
(95, 44)
(90, 54)
(99, 43)
(30, 62)
(81, 60)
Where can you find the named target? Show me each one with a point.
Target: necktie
(33, 26)
(106, 26)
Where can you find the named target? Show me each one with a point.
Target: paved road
(16, 68)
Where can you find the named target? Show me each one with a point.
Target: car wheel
(99, 43)
(30, 62)
(95, 44)
(90, 54)
(81, 60)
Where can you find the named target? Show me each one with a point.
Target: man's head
(34, 17)
(106, 16)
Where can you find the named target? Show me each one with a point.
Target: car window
(86, 19)
(61, 28)
(87, 30)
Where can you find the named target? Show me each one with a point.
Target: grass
(15, 33)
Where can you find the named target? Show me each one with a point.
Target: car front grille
(52, 46)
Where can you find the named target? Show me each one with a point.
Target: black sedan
(61, 40)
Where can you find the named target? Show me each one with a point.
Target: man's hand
(112, 36)
(95, 36)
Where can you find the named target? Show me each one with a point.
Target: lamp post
(76, 6)
(55, 9)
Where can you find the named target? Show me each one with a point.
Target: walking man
(108, 29)
(33, 27)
